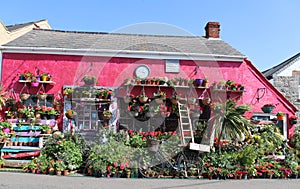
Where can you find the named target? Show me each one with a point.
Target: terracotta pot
(280, 117)
(66, 172)
(58, 172)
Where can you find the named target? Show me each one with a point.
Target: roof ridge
(26, 23)
(108, 33)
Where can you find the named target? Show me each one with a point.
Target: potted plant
(1, 163)
(175, 99)
(45, 128)
(59, 166)
(41, 95)
(45, 76)
(57, 105)
(107, 114)
(143, 98)
(3, 136)
(24, 96)
(127, 81)
(6, 126)
(205, 82)
(68, 92)
(28, 75)
(34, 82)
(70, 114)
(280, 116)
(89, 80)
(159, 97)
(293, 120)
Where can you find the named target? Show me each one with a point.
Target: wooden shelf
(42, 82)
(168, 86)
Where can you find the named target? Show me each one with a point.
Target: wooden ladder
(185, 127)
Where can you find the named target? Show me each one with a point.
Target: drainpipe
(0, 65)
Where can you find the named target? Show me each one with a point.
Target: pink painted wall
(111, 72)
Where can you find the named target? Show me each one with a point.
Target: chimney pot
(212, 30)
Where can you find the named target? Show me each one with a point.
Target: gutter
(123, 53)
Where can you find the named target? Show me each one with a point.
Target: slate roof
(18, 26)
(116, 41)
(271, 71)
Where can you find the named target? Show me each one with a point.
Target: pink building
(113, 57)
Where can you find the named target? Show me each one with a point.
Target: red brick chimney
(212, 30)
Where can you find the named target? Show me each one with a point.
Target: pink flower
(122, 166)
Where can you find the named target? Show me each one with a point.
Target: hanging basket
(267, 109)
(24, 96)
(42, 96)
(153, 145)
(293, 121)
(143, 99)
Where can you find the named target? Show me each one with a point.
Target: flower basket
(24, 96)
(70, 114)
(153, 145)
(267, 109)
(293, 121)
(143, 99)
(42, 96)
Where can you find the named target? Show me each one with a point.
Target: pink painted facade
(111, 72)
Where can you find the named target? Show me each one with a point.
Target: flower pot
(66, 172)
(58, 172)
(280, 117)
(21, 77)
(153, 145)
(267, 109)
(51, 116)
(44, 116)
(35, 84)
(205, 84)
(198, 82)
(293, 121)
(6, 130)
(44, 78)
(174, 101)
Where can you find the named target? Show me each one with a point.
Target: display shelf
(166, 86)
(41, 82)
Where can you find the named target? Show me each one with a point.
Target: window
(172, 66)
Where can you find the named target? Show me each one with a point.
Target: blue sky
(266, 31)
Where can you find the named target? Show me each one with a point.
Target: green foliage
(59, 148)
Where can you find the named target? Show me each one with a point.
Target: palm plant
(229, 121)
